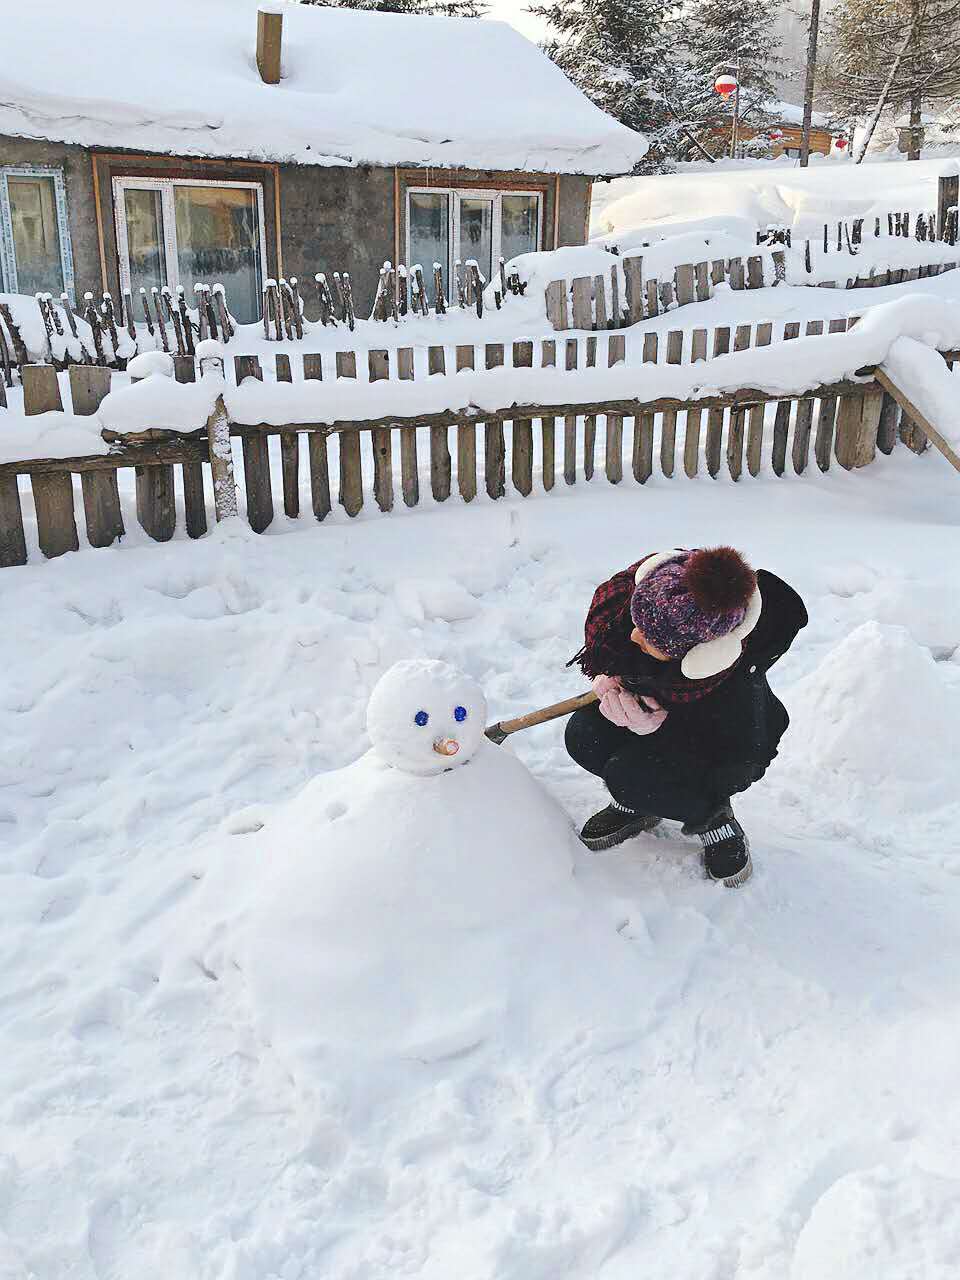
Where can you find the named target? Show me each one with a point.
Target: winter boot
(614, 824)
(726, 849)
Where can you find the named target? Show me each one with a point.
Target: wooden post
(691, 443)
(582, 290)
(53, 502)
(493, 446)
(317, 449)
(13, 545)
(409, 467)
(948, 197)
(616, 351)
(781, 422)
(633, 275)
(642, 459)
(219, 445)
(440, 463)
(556, 303)
(41, 391)
(570, 422)
(668, 422)
(269, 44)
(89, 387)
(289, 448)
(685, 282)
(466, 438)
(755, 425)
(378, 363)
(351, 470)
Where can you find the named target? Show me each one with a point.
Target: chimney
(269, 40)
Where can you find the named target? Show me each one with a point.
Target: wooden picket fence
(845, 422)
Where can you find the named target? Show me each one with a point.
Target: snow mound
(882, 1222)
(871, 720)
(385, 921)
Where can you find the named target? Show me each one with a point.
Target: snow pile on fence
(49, 435)
(356, 88)
(774, 194)
(924, 378)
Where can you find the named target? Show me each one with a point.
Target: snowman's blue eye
(460, 714)
(421, 718)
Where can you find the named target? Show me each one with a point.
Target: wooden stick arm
(500, 731)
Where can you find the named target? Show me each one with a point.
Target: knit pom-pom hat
(697, 606)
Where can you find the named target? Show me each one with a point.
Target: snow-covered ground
(763, 1089)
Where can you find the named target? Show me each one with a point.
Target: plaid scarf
(609, 651)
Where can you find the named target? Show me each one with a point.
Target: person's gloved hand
(624, 709)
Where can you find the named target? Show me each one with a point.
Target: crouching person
(678, 647)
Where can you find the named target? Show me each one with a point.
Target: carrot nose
(446, 746)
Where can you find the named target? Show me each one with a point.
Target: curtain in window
(218, 241)
(430, 235)
(144, 212)
(36, 237)
(518, 225)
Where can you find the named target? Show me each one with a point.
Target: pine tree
(612, 50)
(447, 8)
(724, 36)
(892, 55)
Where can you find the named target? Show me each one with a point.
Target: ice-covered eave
(201, 135)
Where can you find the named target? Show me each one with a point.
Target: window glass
(36, 237)
(430, 235)
(518, 225)
(218, 242)
(476, 232)
(144, 241)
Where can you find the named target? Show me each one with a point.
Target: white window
(449, 225)
(35, 254)
(180, 231)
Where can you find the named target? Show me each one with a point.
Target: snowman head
(424, 717)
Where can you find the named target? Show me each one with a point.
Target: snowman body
(412, 905)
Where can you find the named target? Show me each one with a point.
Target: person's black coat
(735, 730)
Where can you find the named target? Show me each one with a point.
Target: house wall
(331, 219)
(81, 206)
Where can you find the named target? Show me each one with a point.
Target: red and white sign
(840, 143)
(725, 85)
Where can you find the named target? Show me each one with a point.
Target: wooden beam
(269, 41)
(925, 425)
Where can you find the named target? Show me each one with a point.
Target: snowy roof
(358, 87)
(789, 113)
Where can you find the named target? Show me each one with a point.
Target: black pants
(653, 773)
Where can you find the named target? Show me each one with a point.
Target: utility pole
(735, 130)
(808, 84)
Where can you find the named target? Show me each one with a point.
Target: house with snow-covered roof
(156, 145)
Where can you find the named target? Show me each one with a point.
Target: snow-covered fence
(597, 302)
(735, 429)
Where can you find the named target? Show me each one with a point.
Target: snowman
(406, 908)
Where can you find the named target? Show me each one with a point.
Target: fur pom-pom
(719, 579)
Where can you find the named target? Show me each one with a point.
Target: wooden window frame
(8, 254)
(165, 185)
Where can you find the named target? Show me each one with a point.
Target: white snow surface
(356, 88)
(588, 1067)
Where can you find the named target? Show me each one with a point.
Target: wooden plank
(923, 423)
(247, 367)
(312, 367)
(194, 503)
(256, 478)
(735, 443)
(351, 470)
(53, 502)
(702, 276)
(823, 441)
(522, 455)
(556, 303)
(156, 502)
(781, 421)
(668, 422)
(41, 391)
(101, 506)
(289, 449)
(589, 445)
(685, 283)
(652, 292)
(714, 441)
(466, 438)
(570, 422)
(889, 420)
(801, 434)
(600, 302)
(493, 444)
(89, 387)
(319, 474)
(440, 462)
(409, 464)
(548, 451)
(581, 291)
(633, 280)
(691, 442)
(184, 368)
(755, 272)
(755, 439)
(378, 365)
(13, 545)
(735, 273)
(858, 419)
(616, 354)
